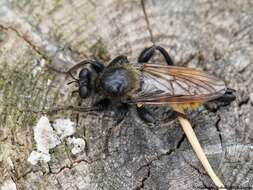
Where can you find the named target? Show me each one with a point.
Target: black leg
(71, 82)
(95, 64)
(121, 112)
(121, 59)
(144, 57)
(147, 53)
(146, 115)
(102, 104)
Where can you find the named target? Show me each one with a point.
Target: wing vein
(177, 85)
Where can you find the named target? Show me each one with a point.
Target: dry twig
(189, 132)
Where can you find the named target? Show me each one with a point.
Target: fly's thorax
(120, 81)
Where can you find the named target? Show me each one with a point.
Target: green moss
(23, 93)
(56, 3)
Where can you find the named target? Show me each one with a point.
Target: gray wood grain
(39, 37)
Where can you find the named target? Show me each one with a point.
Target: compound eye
(83, 92)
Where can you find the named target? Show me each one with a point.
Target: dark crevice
(207, 187)
(70, 166)
(201, 174)
(148, 165)
(77, 121)
(165, 154)
(49, 168)
(180, 141)
(26, 173)
(244, 101)
(143, 180)
(147, 21)
(196, 169)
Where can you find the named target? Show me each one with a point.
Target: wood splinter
(189, 132)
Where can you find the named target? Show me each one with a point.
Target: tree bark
(39, 40)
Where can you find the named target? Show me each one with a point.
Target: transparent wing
(163, 84)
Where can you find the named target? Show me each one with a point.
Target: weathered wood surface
(216, 36)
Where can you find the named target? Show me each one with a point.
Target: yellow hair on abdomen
(189, 106)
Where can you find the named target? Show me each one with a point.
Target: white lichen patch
(35, 157)
(8, 185)
(77, 143)
(64, 127)
(48, 137)
(44, 136)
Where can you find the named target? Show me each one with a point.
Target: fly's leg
(145, 115)
(119, 60)
(147, 54)
(105, 104)
(121, 112)
(144, 57)
(102, 104)
(96, 65)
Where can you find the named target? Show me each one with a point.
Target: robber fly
(155, 84)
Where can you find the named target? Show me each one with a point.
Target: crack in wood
(25, 174)
(148, 165)
(34, 47)
(181, 140)
(145, 178)
(147, 21)
(200, 173)
(244, 101)
(71, 165)
(23, 37)
(42, 45)
(195, 168)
